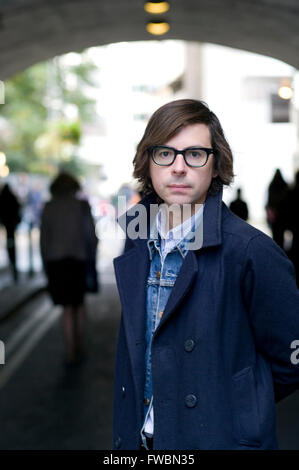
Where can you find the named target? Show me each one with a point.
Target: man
(10, 209)
(207, 335)
(239, 207)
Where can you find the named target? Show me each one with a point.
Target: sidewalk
(13, 295)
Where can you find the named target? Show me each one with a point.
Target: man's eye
(193, 154)
(165, 153)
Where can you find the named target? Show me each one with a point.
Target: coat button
(123, 391)
(189, 345)
(158, 274)
(190, 401)
(118, 443)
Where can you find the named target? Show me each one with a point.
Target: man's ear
(215, 173)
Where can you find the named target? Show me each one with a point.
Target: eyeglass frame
(209, 151)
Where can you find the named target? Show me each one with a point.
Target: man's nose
(179, 165)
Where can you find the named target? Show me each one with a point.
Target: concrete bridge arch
(36, 30)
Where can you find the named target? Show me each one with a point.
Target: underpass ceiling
(35, 30)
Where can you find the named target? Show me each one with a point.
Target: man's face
(193, 182)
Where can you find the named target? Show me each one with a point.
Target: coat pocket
(245, 406)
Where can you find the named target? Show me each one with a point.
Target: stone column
(193, 80)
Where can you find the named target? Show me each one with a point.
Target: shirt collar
(175, 238)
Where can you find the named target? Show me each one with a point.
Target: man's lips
(179, 186)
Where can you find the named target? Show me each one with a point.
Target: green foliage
(70, 132)
(35, 107)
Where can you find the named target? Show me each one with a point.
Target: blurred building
(240, 87)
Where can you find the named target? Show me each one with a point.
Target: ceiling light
(156, 8)
(157, 27)
(285, 92)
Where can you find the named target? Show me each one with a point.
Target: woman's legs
(79, 327)
(69, 332)
(73, 323)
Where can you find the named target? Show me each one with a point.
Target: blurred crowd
(280, 213)
(68, 241)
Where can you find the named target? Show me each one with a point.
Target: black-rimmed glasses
(193, 156)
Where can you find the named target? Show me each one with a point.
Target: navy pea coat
(221, 354)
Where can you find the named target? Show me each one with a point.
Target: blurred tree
(45, 107)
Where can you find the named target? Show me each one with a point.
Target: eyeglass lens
(194, 156)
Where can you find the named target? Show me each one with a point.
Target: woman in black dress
(67, 241)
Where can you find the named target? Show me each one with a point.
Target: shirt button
(160, 314)
(190, 401)
(146, 401)
(158, 274)
(189, 345)
(123, 391)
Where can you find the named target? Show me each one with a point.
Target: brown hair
(166, 122)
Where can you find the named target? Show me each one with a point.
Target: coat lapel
(131, 270)
(211, 237)
(182, 285)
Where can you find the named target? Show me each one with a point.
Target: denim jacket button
(189, 345)
(190, 401)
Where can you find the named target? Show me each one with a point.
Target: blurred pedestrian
(291, 222)
(32, 213)
(277, 193)
(67, 240)
(10, 218)
(239, 207)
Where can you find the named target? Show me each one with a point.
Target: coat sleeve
(272, 300)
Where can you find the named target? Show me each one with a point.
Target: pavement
(15, 294)
(45, 404)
